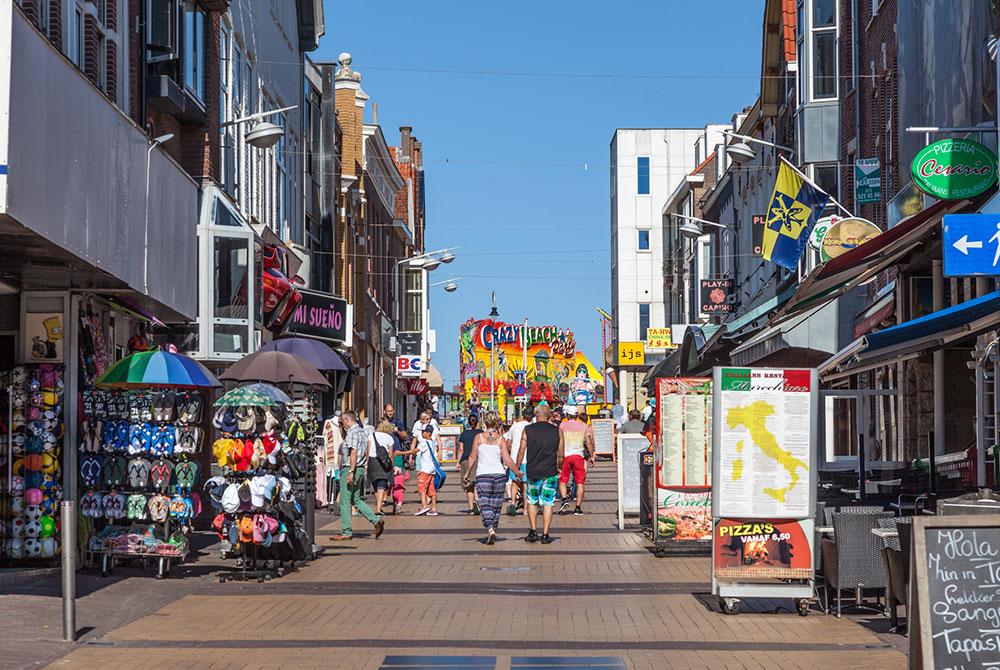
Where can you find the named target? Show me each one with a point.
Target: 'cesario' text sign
(957, 576)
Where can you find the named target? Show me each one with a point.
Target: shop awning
(910, 339)
(434, 379)
(735, 327)
(861, 264)
(668, 367)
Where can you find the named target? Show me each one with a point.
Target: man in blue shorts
(541, 451)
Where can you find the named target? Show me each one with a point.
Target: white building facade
(647, 164)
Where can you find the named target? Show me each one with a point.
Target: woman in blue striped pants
(490, 459)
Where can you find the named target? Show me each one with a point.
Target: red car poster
(748, 549)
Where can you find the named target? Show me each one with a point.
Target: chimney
(405, 141)
(375, 112)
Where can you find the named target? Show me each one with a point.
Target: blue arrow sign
(971, 245)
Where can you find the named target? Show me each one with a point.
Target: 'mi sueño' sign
(323, 316)
(954, 169)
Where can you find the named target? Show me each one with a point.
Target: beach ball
(17, 505)
(50, 547)
(17, 527)
(47, 526)
(32, 529)
(33, 480)
(16, 548)
(33, 497)
(32, 547)
(33, 462)
(32, 513)
(49, 464)
(18, 485)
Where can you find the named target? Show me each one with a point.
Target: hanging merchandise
(31, 444)
(258, 517)
(137, 444)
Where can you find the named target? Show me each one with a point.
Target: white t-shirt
(380, 438)
(490, 459)
(424, 456)
(418, 429)
(513, 437)
(647, 411)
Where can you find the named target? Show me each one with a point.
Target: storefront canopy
(861, 264)
(910, 339)
(434, 379)
(668, 367)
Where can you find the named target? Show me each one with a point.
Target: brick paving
(430, 587)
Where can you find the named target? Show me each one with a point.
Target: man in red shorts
(575, 438)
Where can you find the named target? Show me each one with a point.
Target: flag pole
(814, 185)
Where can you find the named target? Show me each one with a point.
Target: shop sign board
(409, 342)
(323, 316)
(715, 295)
(953, 613)
(604, 436)
(758, 222)
(659, 338)
(764, 442)
(684, 431)
(417, 386)
(631, 353)
(683, 515)
(409, 366)
(867, 181)
(954, 169)
(846, 234)
(819, 231)
(750, 549)
(971, 245)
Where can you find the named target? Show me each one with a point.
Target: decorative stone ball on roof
(345, 71)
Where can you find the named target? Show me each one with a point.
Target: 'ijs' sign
(954, 169)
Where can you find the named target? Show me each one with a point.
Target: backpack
(383, 457)
(439, 475)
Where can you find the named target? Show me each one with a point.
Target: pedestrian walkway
(430, 594)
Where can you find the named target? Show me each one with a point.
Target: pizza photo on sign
(761, 549)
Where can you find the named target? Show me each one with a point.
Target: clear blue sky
(517, 163)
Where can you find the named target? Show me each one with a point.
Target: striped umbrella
(157, 368)
(244, 396)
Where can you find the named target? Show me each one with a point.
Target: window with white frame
(225, 87)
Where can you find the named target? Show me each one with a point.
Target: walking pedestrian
(380, 466)
(353, 461)
(425, 472)
(490, 460)
(634, 425)
(467, 438)
(541, 451)
(574, 434)
(515, 483)
(400, 473)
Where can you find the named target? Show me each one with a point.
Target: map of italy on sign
(765, 439)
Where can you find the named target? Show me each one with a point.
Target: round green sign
(954, 169)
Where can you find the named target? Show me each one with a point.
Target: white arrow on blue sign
(971, 245)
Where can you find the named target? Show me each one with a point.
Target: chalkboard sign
(629, 485)
(604, 437)
(955, 569)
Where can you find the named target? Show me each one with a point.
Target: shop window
(643, 320)
(642, 164)
(194, 50)
(175, 38)
(231, 268)
(825, 64)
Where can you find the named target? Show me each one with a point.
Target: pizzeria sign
(954, 169)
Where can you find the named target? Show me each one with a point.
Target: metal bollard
(69, 569)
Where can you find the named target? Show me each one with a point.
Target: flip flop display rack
(259, 520)
(138, 474)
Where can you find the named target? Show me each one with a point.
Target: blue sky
(517, 160)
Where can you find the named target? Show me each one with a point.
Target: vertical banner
(683, 459)
(758, 221)
(867, 181)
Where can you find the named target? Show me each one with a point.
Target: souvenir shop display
(31, 456)
(259, 518)
(138, 474)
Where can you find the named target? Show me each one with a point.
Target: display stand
(629, 481)
(764, 484)
(683, 467)
(449, 449)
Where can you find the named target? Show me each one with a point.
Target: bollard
(69, 569)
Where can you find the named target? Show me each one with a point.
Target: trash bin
(647, 488)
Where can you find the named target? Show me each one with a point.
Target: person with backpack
(353, 463)
(490, 460)
(380, 466)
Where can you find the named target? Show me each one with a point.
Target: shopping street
(429, 587)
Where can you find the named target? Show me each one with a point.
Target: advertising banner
(763, 444)
(410, 343)
(758, 221)
(748, 549)
(683, 514)
(715, 296)
(954, 169)
(555, 368)
(659, 338)
(867, 181)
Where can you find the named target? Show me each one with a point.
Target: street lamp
(264, 134)
(494, 314)
(691, 230)
(450, 285)
(157, 141)
(741, 152)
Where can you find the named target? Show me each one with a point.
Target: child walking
(426, 472)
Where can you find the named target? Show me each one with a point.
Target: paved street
(429, 587)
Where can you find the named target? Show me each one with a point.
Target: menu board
(449, 449)
(604, 437)
(629, 446)
(684, 431)
(763, 442)
(956, 564)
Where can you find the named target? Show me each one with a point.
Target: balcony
(74, 207)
